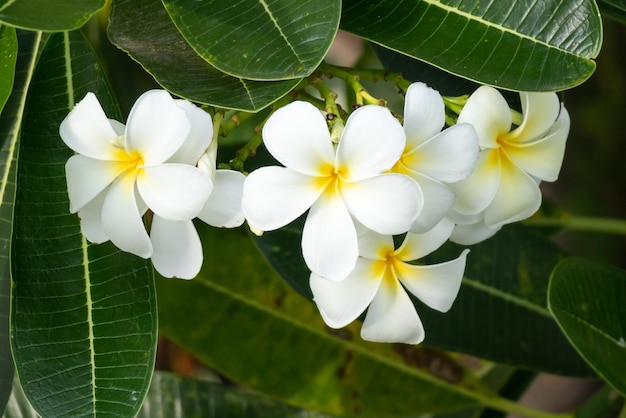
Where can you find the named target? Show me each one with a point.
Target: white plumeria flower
(381, 279)
(335, 185)
(504, 187)
(121, 171)
(433, 157)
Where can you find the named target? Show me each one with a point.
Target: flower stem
(581, 223)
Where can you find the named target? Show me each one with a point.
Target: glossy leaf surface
(587, 300)
(49, 15)
(10, 122)
(8, 56)
(238, 317)
(83, 317)
(517, 45)
(259, 39)
(144, 30)
(502, 299)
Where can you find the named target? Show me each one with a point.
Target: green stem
(582, 223)
(513, 407)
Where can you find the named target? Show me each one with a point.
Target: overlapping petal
(329, 239)
(540, 110)
(177, 248)
(438, 200)
(476, 192)
(91, 219)
(199, 137)
(223, 208)
(424, 114)
(387, 203)
(416, 246)
(341, 302)
(372, 142)
(473, 233)
(391, 317)
(489, 113)
(274, 196)
(375, 246)
(86, 178)
(87, 131)
(297, 136)
(176, 192)
(156, 127)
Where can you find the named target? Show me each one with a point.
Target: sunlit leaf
(258, 39)
(172, 396)
(587, 300)
(49, 15)
(144, 29)
(502, 299)
(10, 121)
(8, 56)
(83, 317)
(519, 45)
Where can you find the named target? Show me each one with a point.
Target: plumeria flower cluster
(163, 160)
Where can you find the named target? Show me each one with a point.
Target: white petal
(91, 219)
(87, 177)
(223, 208)
(387, 203)
(329, 241)
(448, 157)
(199, 137)
(391, 317)
(489, 113)
(87, 130)
(342, 302)
(122, 221)
(156, 127)
(297, 136)
(375, 246)
(471, 234)
(518, 196)
(476, 192)
(371, 143)
(438, 199)
(543, 158)
(416, 246)
(176, 192)
(177, 248)
(540, 110)
(436, 285)
(424, 114)
(274, 196)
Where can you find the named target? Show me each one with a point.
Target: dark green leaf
(49, 15)
(172, 396)
(518, 45)
(258, 39)
(144, 30)
(83, 317)
(587, 300)
(502, 299)
(614, 8)
(238, 317)
(29, 43)
(8, 56)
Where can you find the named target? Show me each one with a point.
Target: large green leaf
(8, 57)
(240, 318)
(259, 39)
(587, 300)
(10, 122)
(500, 313)
(519, 45)
(49, 15)
(144, 29)
(172, 396)
(83, 317)
(614, 8)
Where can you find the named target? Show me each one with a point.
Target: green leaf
(8, 57)
(526, 46)
(241, 319)
(614, 8)
(83, 317)
(587, 300)
(258, 39)
(174, 396)
(144, 30)
(10, 121)
(502, 299)
(49, 15)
